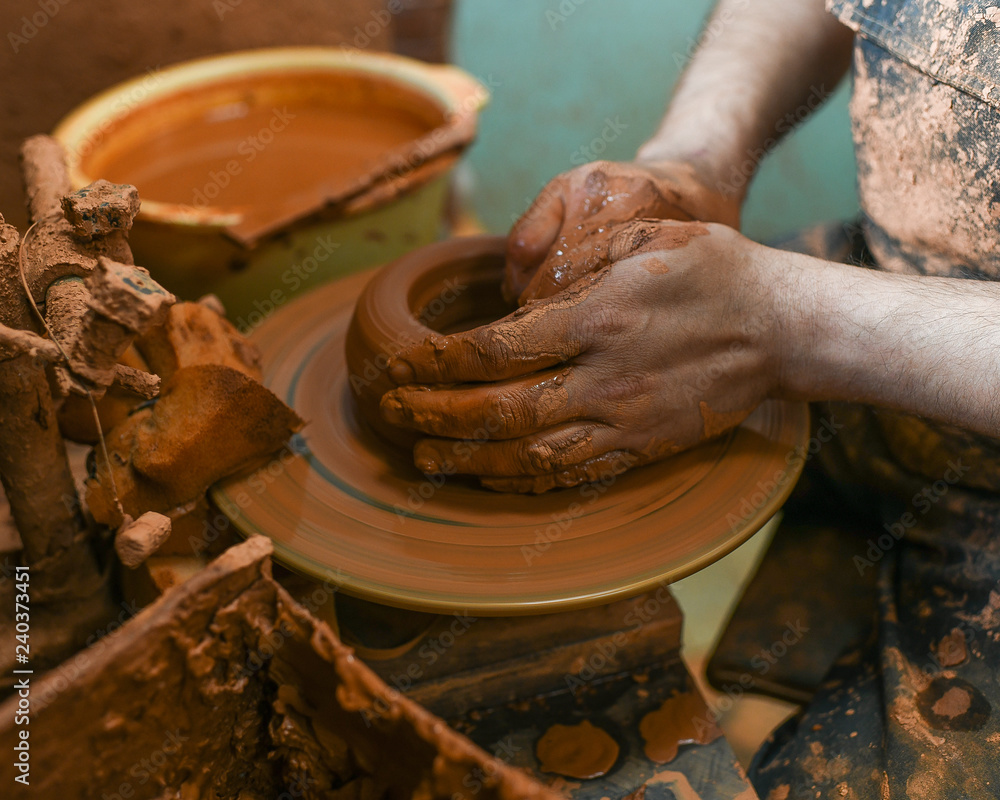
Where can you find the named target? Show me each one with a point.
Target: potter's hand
(565, 233)
(663, 349)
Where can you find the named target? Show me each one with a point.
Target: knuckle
(628, 387)
(563, 452)
(507, 414)
(595, 179)
(572, 477)
(539, 457)
(494, 351)
(605, 323)
(602, 165)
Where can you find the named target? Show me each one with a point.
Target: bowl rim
(459, 95)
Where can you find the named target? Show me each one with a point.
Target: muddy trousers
(914, 711)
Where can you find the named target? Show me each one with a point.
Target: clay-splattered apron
(915, 712)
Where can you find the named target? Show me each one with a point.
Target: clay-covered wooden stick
(15, 343)
(136, 381)
(46, 179)
(109, 309)
(33, 465)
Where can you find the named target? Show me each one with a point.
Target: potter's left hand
(667, 347)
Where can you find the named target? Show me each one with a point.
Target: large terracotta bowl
(193, 247)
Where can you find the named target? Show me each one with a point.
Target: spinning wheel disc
(340, 506)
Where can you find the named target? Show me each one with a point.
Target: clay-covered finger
(533, 338)
(643, 236)
(532, 237)
(504, 410)
(604, 469)
(554, 450)
(565, 265)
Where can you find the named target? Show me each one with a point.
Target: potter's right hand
(565, 233)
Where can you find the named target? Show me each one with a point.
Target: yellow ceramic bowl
(197, 248)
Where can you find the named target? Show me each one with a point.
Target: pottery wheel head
(343, 506)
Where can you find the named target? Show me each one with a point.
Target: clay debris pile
(89, 341)
(226, 688)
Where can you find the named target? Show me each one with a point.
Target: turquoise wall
(561, 69)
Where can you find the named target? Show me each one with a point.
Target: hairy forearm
(761, 67)
(928, 346)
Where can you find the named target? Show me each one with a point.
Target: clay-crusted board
(338, 505)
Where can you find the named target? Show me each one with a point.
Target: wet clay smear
(716, 423)
(682, 719)
(952, 704)
(577, 751)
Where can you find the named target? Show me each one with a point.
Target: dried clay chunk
(209, 421)
(195, 333)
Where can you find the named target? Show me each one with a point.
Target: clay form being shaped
(445, 288)
(348, 500)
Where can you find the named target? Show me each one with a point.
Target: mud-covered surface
(912, 712)
(667, 743)
(581, 751)
(925, 111)
(226, 688)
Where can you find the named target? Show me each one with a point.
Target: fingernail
(540, 457)
(425, 461)
(400, 371)
(391, 409)
(428, 466)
